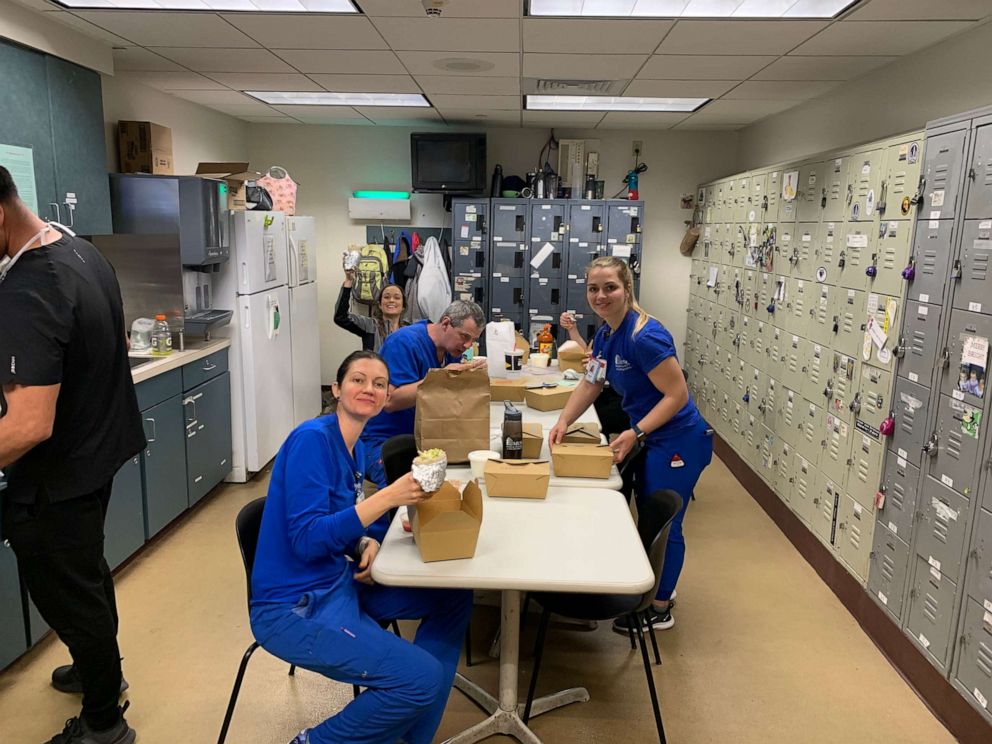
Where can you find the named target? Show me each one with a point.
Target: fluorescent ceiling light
(381, 194)
(689, 8)
(235, 6)
(611, 103)
(320, 98)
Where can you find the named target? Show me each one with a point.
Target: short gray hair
(461, 310)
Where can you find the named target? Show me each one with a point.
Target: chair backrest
(247, 527)
(397, 456)
(654, 521)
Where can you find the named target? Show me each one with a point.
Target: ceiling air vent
(533, 86)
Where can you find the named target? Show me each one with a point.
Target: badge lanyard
(40, 234)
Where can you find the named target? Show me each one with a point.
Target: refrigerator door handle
(294, 264)
(244, 274)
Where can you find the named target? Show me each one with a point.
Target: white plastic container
(478, 458)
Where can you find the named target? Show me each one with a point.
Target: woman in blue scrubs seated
(636, 354)
(314, 603)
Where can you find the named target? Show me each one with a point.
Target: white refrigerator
(301, 253)
(254, 282)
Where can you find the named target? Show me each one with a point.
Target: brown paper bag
(453, 413)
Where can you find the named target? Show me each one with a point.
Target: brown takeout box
(586, 433)
(446, 526)
(533, 441)
(511, 390)
(144, 147)
(582, 460)
(519, 342)
(236, 175)
(517, 479)
(570, 356)
(547, 399)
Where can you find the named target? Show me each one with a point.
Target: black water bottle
(496, 189)
(512, 432)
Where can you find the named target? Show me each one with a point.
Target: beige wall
(953, 76)
(329, 162)
(32, 29)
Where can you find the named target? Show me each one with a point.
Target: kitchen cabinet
(124, 527)
(207, 408)
(164, 480)
(13, 639)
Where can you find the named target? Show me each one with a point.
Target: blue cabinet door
(124, 528)
(163, 473)
(208, 435)
(13, 639)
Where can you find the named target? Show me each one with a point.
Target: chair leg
(355, 690)
(395, 626)
(651, 689)
(292, 670)
(234, 693)
(630, 631)
(542, 632)
(654, 644)
(468, 645)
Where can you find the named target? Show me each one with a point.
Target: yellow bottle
(545, 341)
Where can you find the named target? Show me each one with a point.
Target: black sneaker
(77, 731)
(66, 679)
(652, 620)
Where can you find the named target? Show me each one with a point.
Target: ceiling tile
(323, 114)
(474, 116)
(702, 67)
(87, 28)
(461, 63)
(307, 31)
(740, 112)
(821, 68)
(344, 62)
(679, 88)
(737, 37)
(252, 108)
(891, 38)
(170, 29)
(141, 60)
(399, 116)
(583, 66)
(703, 126)
(210, 97)
(225, 60)
(450, 34)
(562, 118)
(265, 80)
(454, 84)
(172, 80)
(460, 9)
(640, 120)
(593, 36)
(269, 119)
(922, 10)
(366, 83)
(488, 103)
(784, 90)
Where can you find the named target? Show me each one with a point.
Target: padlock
(909, 273)
(747, 396)
(871, 271)
(855, 405)
(887, 427)
(841, 261)
(771, 308)
(956, 270)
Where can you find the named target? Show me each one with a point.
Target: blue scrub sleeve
(314, 530)
(402, 360)
(652, 346)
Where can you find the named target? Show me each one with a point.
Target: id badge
(596, 371)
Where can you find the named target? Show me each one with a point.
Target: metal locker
(900, 485)
(730, 201)
(740, 379)
(799, 295)
(623, 223)
(774, 190)
(931, 610)
(812, 192)
(785, 460)
(860, 243)
(827, 253)
(742, 199)
(931, 260)
(469, 286)
(902, 178)
(506, 296)
(855, 529)
(826, 502)
(738, 423)
(544, 297)
(759, 340)
(785, 246)
(841, 388)
(581, 253)
(508, 259)
(889, 258)
(919, 342)
(910, 411)
(849, 309)
(979, 204)
(725, 366)
(509, 218)
(979, 569)
(748, 329)
(888, 566)
(839, 193)
(471, 220)
(787, 212)
(867, 454)
(766, 454)
(751, 439)
(974, 657)
(802, 261)
(823, 319)
(942, 165)
(736, 242)
(721, 189)
(725, 284)
(709, 195)
(789, 194)
(576, 303)
(943, 528)
(964, 377)
(887, 314)
(709, 243)
(865, 178)
(796, 350)
(974, 285)
(873, 404)
(757, 393)
(835, 460)
(954, 447)
(816, 372)
(546, 260)
(787, 411)
(547, 222)
(695, 271)
(586, 221)
(775, 344)
(758, 200)
(749, 292)
(811, 431)
(805, 475)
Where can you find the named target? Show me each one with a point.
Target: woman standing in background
(387, 313)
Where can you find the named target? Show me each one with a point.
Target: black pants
(613, 420)
(59, 549)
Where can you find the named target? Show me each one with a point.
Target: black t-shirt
(62, 322)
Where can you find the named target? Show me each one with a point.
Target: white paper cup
(477, 459)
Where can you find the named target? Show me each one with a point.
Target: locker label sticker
(934, 215)
(980, 697)
(922, 311)
(471, 217)
(542, 255)
(975, 307)
(924, 297)
(923, 641)
(464, 231)
(469, 209)
(937, 198)
(947, 481)
(857, 241)
(913, 377)
(893, 528)
(935, 572)
(903, 454)
(988, 604)
(934, 562)
(971, 422)
(914, 153)
(883, 599)
(974, 362)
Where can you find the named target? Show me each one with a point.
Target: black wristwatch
(641, 436)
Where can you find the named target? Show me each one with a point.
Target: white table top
(547, 419)
(576, 540)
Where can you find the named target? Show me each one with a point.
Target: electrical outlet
(637, 148)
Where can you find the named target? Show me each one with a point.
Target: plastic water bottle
(161, 337)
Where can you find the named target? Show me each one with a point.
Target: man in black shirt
(68, 420)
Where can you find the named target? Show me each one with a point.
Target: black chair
(653, 525)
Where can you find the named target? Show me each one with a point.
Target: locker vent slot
(929, 264)
(907, 421)
(888, 568)
(979, 266)
(954, 442)
(983, 659)
(918, 343)
(898, 185)
(940, 174)
(897, 496)
(940, 530)
(930, 607)
(855, 535)
(863, 470)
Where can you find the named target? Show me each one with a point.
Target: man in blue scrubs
(411, 352)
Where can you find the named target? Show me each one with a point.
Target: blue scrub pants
(674, 462)
(336, 633)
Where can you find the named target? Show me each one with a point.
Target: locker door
(730, 278)
(980, 189)
(796, 350)
(547, 221)
(835, 460)
(768, 287)
(470, 219)
(749, 293)
(623, 222)
(889, 258)
(544, 297)
(823, 319)
(748, 329)
(508, 258)
(968, 348)
(726, 368)
(827, 253)
(900, 484)
(709, 242)
(586, 221)
(509, 217)
(816, 372)
(581, 253)
(785, 248)
(470, 286)
(812, 190)
(709, 196)
(785, 460)
(941, 175)
(774, 191)
(866, 474)
(826, 501)
(855, 529)
(766, 454)
(750, 435)
(902, 178)
(758, 200)
(775, 352)
(805, 489)
(798, 306)
(803, 258)
(811, 431)
(546, 261)
(786, 418)
(842, 386)
(860, 244)
(742, 199)
(849, 309)
(507, 299)
(979, 572)
(757, 391)
(887, 570)
(931, 260)
(930, 612)
(919, 342)
(730, 201)
(974, 661)
(887, 312)
(720, 190)
(974, 288)
(787, 205)
(588, 322)
(956, 452)
(865, 178)
(943, 528)
(910, 409)
(839, 195)
(873, 398)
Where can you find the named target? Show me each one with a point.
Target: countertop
(194, 351)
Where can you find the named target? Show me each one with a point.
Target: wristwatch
(641, 436)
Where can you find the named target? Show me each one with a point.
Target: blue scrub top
(309, 524)
(410, 354)
(628, 362)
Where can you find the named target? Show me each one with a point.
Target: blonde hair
(627, 280)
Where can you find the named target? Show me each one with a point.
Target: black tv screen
(448, 163)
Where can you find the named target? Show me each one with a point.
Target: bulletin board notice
(20, 162)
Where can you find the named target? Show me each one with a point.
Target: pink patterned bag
(281, 188)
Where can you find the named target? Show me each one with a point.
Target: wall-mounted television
(449, 163)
